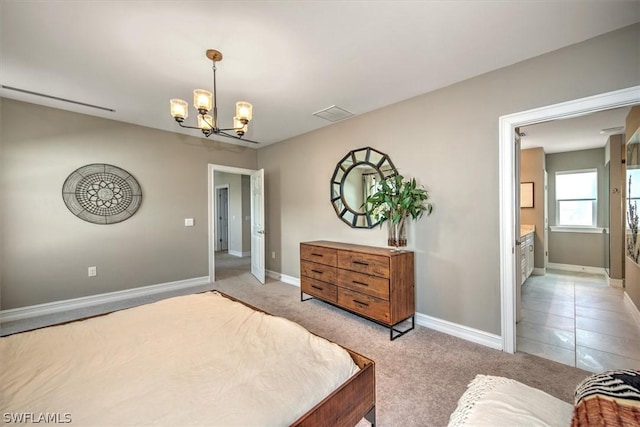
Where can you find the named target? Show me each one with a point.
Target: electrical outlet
(273, 255)
(188, 222)
(93, 271)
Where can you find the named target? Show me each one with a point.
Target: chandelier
(205, 102)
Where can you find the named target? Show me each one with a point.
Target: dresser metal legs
(398, 332)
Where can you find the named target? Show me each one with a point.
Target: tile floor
(578, 320)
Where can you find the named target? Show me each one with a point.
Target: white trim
(460, 331)
(444, 326)
(211, 196)
(239, 254)
(615, 283)
(539, 271)
(586, 230)
(635, 313)
(88, 301)
(507, 179)
(578, 268)
(290, 280)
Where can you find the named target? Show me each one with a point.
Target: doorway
(508, 182)
(221, 229)
(569, 312)
(235, 217)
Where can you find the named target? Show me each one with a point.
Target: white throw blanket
(502, 402)
(193, 360)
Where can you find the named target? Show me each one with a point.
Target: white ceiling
(577, 133)
(288, 58)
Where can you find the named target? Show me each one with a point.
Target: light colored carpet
(419, 377)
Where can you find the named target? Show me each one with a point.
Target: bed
(202, 359)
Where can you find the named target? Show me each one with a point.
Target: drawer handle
(317, 287)
(360, 283)
(361, 303)
(317, 271)
(360, 262)
(315, 254)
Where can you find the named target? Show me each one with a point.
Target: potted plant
(392, 201)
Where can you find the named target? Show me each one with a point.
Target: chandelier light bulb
(202, 100)
(205, 121)
(244, 111)
(179, 109)
(239, 126)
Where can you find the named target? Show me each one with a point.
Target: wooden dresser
(376, 283)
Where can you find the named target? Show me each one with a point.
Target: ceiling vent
(333, 114)
(44, 95)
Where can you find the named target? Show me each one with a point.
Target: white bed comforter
(194, 360)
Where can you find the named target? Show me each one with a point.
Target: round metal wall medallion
(102, 194)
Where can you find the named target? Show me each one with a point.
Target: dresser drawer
(321, 272)
(374, 308)
(375, 265)
(322, 290)
(370, 285)
(317, 254)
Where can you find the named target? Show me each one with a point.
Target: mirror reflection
(356, 176)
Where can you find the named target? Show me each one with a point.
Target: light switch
(188, 222)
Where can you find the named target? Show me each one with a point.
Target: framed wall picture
(102, 194)
(526, 194)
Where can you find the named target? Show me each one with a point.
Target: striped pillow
(610, 398)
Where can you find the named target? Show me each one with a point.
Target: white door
(257, 225)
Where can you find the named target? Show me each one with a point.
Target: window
(577, 198)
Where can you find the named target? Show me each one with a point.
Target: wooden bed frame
(354, 400)
(349, 403)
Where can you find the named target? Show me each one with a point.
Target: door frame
(508, 182)
(211, 197)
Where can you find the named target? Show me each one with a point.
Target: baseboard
(577, 268)
(239, 254)
(456, 330)
(290, 280)
(450, 328)
(615, 283)
(88, 301)
(539, 271)
(635, 313)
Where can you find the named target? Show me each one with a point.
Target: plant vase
(391, 239)
(397, 233)
(401, 232)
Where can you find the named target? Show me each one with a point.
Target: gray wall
(572, 248)
(46, 249)
(532, 166)
(448, 141)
